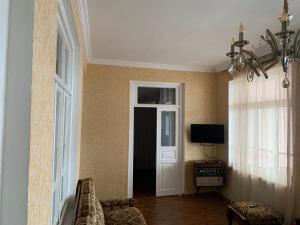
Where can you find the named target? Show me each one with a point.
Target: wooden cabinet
(209, 173)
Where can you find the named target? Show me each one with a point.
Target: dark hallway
(144, 172)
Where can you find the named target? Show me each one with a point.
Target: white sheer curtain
(260, 145)
(293, 147)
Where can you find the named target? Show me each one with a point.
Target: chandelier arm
(297, 51)
(274, 42)
(254, 69)
(297, 45)
(257, 61)
(265, 60)
(271, 64)
(273, 48)
(296, 40)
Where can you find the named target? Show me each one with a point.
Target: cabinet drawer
(209, 181)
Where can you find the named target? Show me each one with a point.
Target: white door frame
(4, 15)
(133, 103)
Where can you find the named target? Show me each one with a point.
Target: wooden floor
(207, 209)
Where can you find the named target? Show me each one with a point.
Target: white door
(167, 168)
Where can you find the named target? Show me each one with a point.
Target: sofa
(90, 211)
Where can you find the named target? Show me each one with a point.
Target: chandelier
(284, 46)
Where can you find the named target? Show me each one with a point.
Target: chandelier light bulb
(242, 28)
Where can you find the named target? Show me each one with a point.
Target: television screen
(207, 133)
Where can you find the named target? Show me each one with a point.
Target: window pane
(66, 68)
(149, 95)
(59, 58)
(58, 132)
(168, 128)
(62, 196)
(54, 207)
(64, 188)
(67, 118)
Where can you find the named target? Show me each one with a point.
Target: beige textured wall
(42, 106)
(105, 121)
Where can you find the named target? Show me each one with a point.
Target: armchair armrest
(113, 204)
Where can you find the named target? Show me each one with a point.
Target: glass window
(63, 59)
(62, 147)
(66, 131)
(58, 132)
(66, 68)
(168, 128)
(63, 188)
(62, 130)
(151, 95)
(55, 207)
(258, 122)
(59, 51)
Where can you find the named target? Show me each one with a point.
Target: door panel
(168, 180)
(167, 149)
(168, 155)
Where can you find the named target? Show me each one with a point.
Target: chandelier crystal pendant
(285, 48)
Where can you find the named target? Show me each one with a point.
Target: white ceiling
(178, 34)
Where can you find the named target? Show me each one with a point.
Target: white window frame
(67, 89)
(138, 84)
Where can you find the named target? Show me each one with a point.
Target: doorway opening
(144, 162)
(155, 156)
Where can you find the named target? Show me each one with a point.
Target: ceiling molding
(124, 63)
(85, 24)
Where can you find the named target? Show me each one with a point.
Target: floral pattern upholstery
(100, 214)
(87, 186)
(257, 214)
(90, 209)
(128, 216)
(114, 204)
(88, 220)
(87, 205)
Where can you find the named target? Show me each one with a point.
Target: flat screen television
(207, 133)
